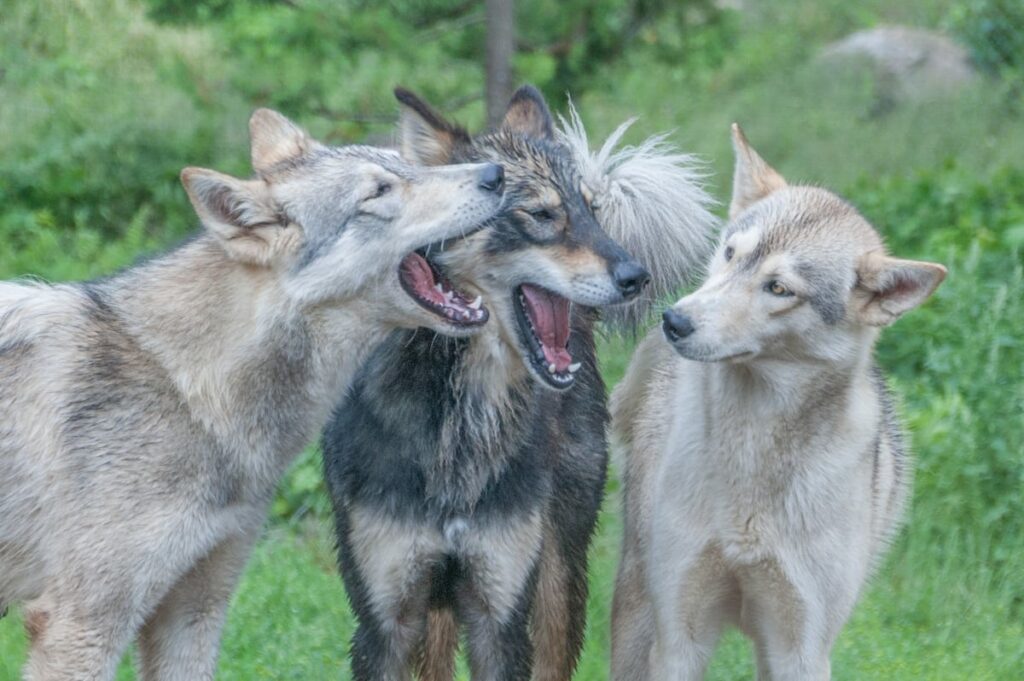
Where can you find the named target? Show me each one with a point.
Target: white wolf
(764, 468)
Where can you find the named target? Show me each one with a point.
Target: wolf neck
(492, 363)
(235, 346)
(802, 398)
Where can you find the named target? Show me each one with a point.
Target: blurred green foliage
(958, 362)
(994, 32)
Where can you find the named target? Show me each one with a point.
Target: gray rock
(912, 62)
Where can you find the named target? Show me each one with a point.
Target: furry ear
(426, 138)
(651, 200)
(753, 179)
(239, 213)
(528, 114)
(274, 139)
(892, 286)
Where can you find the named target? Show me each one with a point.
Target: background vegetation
(102, 102)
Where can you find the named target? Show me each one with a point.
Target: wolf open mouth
(423, 281)
(544, 324)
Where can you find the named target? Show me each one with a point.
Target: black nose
(630, 278)
(676, 325)
(492, 178)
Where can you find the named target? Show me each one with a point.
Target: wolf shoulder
(639, 405)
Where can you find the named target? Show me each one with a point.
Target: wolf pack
(430, 313)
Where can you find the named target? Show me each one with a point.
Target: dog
(764, 467)
(466, 474)
(148, 417)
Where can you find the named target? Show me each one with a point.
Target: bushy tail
(651, 199)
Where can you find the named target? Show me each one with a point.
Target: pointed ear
(753, 179)
(891, 286)
(274, 139)
(425, 137)
(528, 114)
(239, 213)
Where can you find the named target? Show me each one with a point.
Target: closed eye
(542, 215)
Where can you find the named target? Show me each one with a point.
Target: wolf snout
(492, 178)
(630, 278)
(676, 325)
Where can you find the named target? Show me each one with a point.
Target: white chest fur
(753, 466)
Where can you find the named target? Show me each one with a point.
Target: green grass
(290, 620)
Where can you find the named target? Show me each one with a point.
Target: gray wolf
(148, 417)
(466, 474)
(764, 468)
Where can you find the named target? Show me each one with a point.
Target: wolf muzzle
(630, 278)
(676, 326)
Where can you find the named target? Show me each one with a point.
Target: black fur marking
(416, 440)
(429, 115)
(829, 297)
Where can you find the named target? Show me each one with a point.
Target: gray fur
(764, 467)
(147, 418)
(651, 199)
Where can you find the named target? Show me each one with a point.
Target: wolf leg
(437, 657)
(788, 647)
(74, 644)
(693, 596)
(632, 621)
(181, 639)
(500, 565)
(559, 612)
(559, 608)
(108, 582)
(764, 670)
(793, 623)
(499, 643)
(386, 564)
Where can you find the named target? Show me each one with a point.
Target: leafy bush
(959, 360)
(994, 31)
(96, 127)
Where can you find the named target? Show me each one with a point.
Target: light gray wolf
(466, 474)
(148, 417)
(764, 468)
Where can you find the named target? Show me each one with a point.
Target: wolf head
(338, 222)
(547, 248)
(798, 275)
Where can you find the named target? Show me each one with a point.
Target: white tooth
(573, 368)
(477, 302)
(438, 287)
(552, 367)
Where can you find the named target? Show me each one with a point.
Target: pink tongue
(550, 316)
(418, 273)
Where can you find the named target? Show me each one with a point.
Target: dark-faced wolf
(467, 474)
(765, 470)
(145, 419)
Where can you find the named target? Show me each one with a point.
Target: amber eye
(776, 288)
(729, 252)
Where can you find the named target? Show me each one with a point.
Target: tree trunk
(501, 36)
